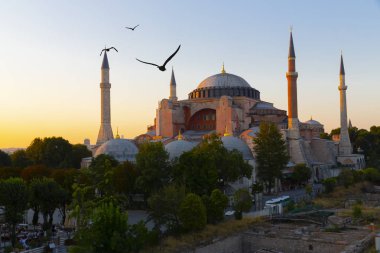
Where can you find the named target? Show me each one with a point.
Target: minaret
(292, 76)
(344, 143)
(294, 140)
(105, 131)
(173, 88)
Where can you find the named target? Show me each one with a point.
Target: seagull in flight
(162, 68)
(132, 28)
(107, 50)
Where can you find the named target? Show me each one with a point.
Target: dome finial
(179, 135)
(117, 133)
(223, 70)
(311, 117)
(226, 133)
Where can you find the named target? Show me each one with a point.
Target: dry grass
(337, 198)
(173, 244)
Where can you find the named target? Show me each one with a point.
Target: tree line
(181, 195)
(363, 141)
(52, 152)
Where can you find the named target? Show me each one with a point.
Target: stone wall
(231, 244)
(252, 243)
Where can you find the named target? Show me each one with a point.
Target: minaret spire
(291, 46)
(341, 65)
(173, 88)
(292, 76)
(105, 131)
(344, 142)
(105, 61)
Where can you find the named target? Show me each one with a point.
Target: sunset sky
(50, 63)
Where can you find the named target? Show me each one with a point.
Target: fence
(35, 250)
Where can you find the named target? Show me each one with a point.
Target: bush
(242, 202)
(192, 213)
(357, 211)
(329, 184)
(291, 205)
(215, 208)
(346, 178)
(371, 174)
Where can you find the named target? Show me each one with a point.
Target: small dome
(231, 143)
(313, 122)
(178, 147)
(121, 149)
(224, 80)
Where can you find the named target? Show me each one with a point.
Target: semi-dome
(251, 132)
(178, 147)
(224, 84)
(231, 143)
(121, 149)
(224, 80)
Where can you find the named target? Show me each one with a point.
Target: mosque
(229, 106)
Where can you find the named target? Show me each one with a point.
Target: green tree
(54, 152)
(346, 178)
(82, 202)
(372, 175)
(45, 196)
(14, 199)
(192, 213)
(5, 159)
(325, 136)
(242, 202)
(35, 151)
(329, 184)
(78, 152)
(210, 165)
(309, 190)
(152, 162)
(197, 172)
(65, 178)
(20, 159)
(35, 171)
(357, 211)
(8, 172)
(271, 153)
(215, 206)
(164, 207)
(124, 178)
(109, 232)
(301, 173)
(101, 175)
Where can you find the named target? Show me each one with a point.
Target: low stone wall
(254, 242)
(288, 239)
(361, 246)
(231, 244)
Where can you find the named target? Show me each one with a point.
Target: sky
(50, 63)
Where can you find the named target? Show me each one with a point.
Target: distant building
(226, 104)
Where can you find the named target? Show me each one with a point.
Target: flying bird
(162, 68)
(132, 28)
(107, 50)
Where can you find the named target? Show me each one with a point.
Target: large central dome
(224, 80)
(224, 84)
